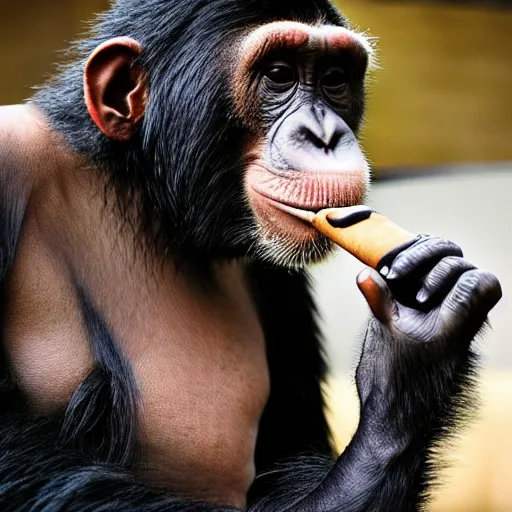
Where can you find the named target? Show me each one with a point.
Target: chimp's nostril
(325, 142)
(335, 140)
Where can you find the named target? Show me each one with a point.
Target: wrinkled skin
(453, 293)
(452, 303)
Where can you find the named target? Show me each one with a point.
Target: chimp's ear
(115, 88)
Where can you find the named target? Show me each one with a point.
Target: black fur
(185, 165)
(293, 423)
(101, 415)
(182, 160)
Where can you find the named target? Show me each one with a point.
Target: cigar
(365, 234)
(370, 237)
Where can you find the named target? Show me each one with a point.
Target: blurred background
(439, 136)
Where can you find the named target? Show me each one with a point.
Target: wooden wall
(444, 94)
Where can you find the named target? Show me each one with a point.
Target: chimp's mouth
(309, 191)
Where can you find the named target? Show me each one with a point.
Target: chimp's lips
(310, 191)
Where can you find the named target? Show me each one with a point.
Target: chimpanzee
(160, 350)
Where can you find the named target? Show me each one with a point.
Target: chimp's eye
(334, 80)
(281, 73)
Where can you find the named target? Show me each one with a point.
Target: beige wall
(31, 34)
(444, 94)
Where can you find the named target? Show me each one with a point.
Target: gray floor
(473, 207)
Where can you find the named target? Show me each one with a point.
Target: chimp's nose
(315, 138)
(323, 128)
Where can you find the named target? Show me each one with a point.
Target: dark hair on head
(186, 161)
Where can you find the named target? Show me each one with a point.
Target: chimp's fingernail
(392, 275)
(384, 271)
(422, 296)
(363, 275)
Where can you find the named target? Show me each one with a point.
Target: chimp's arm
(414, 381)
